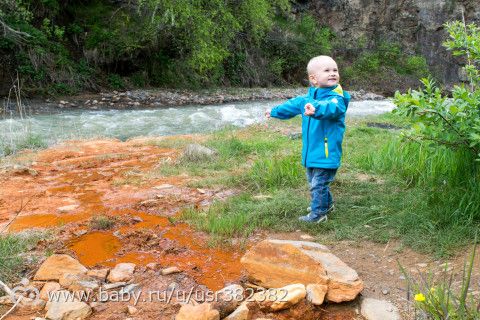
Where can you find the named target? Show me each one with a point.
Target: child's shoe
(311, 218)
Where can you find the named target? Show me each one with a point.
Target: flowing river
(57, 125)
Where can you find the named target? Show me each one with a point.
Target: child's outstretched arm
(289, 109)
(332, 108)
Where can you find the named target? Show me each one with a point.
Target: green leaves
(464, 40)
(205, 29)
(451, 121)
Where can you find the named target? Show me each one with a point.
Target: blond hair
(317, 61)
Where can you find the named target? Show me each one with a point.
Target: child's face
(325, 74)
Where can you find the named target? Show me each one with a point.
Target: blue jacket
(322, 133)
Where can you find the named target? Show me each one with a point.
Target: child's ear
(312, 79)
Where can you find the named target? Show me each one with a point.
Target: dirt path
(64, 188)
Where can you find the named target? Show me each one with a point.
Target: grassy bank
(386, 189)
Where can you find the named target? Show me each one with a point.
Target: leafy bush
(436, 159)
(383, 60)
(453, 122)
(416, 65)
(116, 81)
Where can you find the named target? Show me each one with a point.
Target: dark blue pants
(319, 180)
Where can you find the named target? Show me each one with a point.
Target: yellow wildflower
(419, 297)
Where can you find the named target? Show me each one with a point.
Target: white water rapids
(123, 124)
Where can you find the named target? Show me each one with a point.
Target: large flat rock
(277, 263)
(58, 265)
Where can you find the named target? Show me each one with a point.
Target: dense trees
(65, 46)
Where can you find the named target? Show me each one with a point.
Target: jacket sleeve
(289, 109)
(332, 108)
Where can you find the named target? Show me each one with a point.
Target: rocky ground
(139, 244)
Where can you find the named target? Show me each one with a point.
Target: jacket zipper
(326, 147)
(325, 142)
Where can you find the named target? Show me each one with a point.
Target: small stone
(422, 265)
(131, 310)
(316, 293)
(373, 309)
(68, 208)
(196, 152)
(277, 299)
(170, 270)
(163, 186)
(306, 237)
(68, 279)
(137, 219)
(100, 274)
(68, 310)
(31, 305)
(98, 306)
(121, 272)
(150, 203)
(80, 233)
(385, 291)
(228, 299)
(402, 277)
(129, 288)
(110, 286)
(25, 282)
(84, 285)
(241, 313)
(202, 311)
(48, 288)
(152, 266)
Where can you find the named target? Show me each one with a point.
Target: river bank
(162, 98)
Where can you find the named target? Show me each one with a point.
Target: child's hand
(267, 113)
(309, 109)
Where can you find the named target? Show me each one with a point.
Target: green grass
(244, 213)
(26, 141)
(386, 189)
(13, 254)
(102, 222)
(236, 150)
(444, 298)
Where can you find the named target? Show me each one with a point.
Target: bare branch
(17, 213)
(7, 290)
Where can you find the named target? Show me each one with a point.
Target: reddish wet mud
(81, 180)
